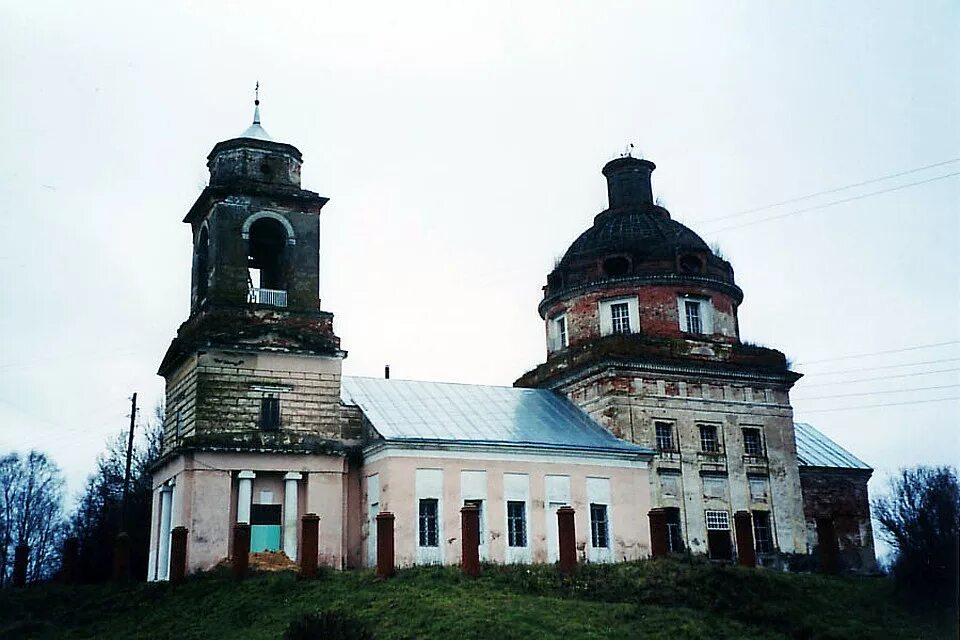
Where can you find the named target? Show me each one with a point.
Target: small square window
(762, 532)
(718, 520)
(270, 413)
(620, 317)
(752, 442)
(709, 443)
(665, 436)
(599, 531)
(429, 534)
(516, 523)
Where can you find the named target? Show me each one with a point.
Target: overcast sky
(460, 146)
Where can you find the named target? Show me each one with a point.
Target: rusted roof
(817, 450)
(414, 411)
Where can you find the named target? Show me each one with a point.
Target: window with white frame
(599, 531)
(717, 520)
(619, 316)
(560, 339)
(516, 523)
(695, 314)
(429, 534)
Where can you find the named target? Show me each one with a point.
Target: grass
(650, 599)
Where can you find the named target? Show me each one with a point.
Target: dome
(634, 242)
(646, 232)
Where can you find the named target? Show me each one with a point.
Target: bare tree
(31, 513)
(921, 518)
(96, 520)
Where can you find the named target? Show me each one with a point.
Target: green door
(264, 527)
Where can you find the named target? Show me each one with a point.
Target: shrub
(921, 518)
(327, 625)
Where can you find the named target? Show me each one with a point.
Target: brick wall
(841, 495)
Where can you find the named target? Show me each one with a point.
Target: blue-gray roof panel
(817, 450)
(448, 412)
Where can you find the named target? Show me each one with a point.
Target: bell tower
(235, 369)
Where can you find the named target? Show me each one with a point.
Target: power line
(902, 375)
(773, 205)
(833, 203)
(886, 404)
(885, 366)
(878, 393)
(879, 353)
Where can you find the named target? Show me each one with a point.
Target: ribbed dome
(634, 242)
(645, 232)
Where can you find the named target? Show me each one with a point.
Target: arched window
(265, 255)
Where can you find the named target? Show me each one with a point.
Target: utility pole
(126, 474)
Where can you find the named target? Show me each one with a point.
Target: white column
(291, 507)
(244, 496)
(163, 549)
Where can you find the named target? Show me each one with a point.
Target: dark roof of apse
(443, 412)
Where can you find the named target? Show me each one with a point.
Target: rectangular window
(561, 332)
(428, 523)
(598, 526)
(692, 311)
(270, 413)
(762, 533)
(620, 317)
(709, 443)
(752, 442)
(517, 523)
(718, 520)
(179, 424)
(664, 436)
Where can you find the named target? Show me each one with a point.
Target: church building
(649, 417)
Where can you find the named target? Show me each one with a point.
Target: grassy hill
(650, 599)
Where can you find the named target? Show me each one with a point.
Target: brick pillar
(743, 527)
(828, 546)
(310, 545)
(121, 557)
(241, 549)
(659, 534)
(385, 567)
(68, 565)
(567, 545)
(178, 555)
(20, 556)
(470, 536)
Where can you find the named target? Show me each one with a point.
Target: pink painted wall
(630, 502)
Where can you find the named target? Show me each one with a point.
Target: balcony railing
(272, 297)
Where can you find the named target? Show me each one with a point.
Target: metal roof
(409, 410)
(817, 450)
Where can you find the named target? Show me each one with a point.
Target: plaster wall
(630, 405)
(398, 494)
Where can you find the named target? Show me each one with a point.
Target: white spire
(255, 131)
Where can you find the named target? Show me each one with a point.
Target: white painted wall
(557, 494)
(516, 486)
(373, 508)
(429, 484)
(598, 492)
